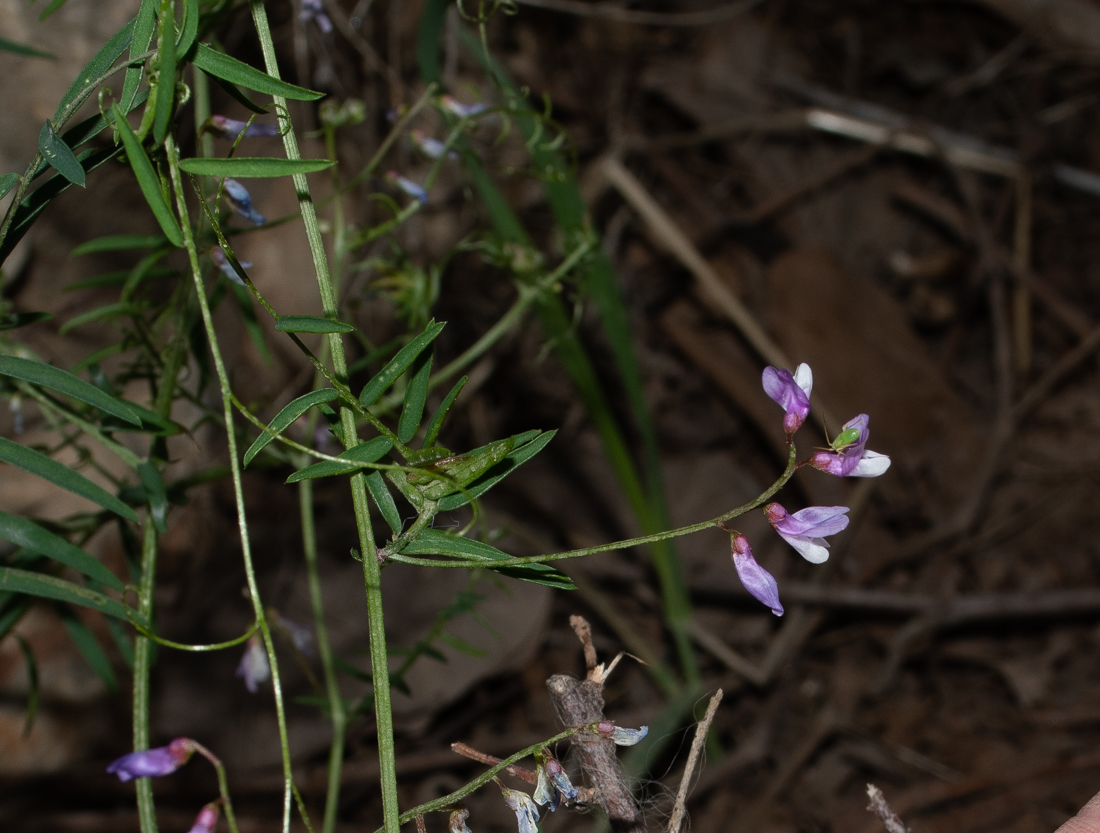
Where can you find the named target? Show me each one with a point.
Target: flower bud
(147, 763)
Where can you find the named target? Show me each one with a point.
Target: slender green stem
(143, 663)
(235, 466)
(337, 710)
(223, 783)
(119, 450)
(618, 545)
(183, 646)
(371, 568)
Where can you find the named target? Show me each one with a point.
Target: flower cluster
(806, 529)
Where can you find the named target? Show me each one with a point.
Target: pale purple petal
(408, 186)
(206, 820)
(527, 813)
(761, 584)
(804, 530)
(254, 668)
(147, 763)
(459, 109)
(241, 201)
(232, 128)
(789, 393)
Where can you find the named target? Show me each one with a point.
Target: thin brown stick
(701, 730)
(491, 760)
(421, 827)
(584, 633)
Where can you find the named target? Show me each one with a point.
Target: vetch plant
(363, 417)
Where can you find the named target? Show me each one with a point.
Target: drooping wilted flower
(621, 736)
(241, 201)
(457, 108)
(147, 763)
(554, 785)
(254, 667)
(761, 584)
(314, 10)
(806, 529)
(849, 456)
(527, 813)
(792, 393)
(206, 820)
(226, 268)
(232, 128)
(457, 823)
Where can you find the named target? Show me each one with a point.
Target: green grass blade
(26, 534)
(119, 242)
(286, 417)
(61, 475)
(48, 376)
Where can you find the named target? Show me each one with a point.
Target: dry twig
(880, 808)
(701, 730)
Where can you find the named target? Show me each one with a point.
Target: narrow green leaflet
(119, 242)
(95, 68)
(48, 587)
(89, 648)
(245, 167)
(24, 533)
(47, 468)
(286, 417)
(147, 179)
(519, 456)
(154, 490)
(22, 319)
(59, 155)
(450, 474)
(440, 542)
(107, 311)
(382, 498)
(24, 49)
(441, 412)
(311, 324)
(50, 9)
(230, 69)
(144, 25)
(189, 26)
(368, 452)
(166, 80)
(7, 182)
(48, 376)
(461, 645)
(399, 363)
(416, 395)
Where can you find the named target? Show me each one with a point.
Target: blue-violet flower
(206, 820)
(161, 760)
(621, 736)
(241, 201)
(408, 186)
(761, 584)
(232, 128)
(553, 784)
(457, 108)
(430, 146)
(527, 813)
(806, 529)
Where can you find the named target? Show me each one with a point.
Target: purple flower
(315, 10)
(851, 458)
(806, 529)
(553, 784)
(206, 820)
(429, 146)
(222, 262)
(761, 584)
(791, 392)
(408, 186)
(254, 668)
(146, 763)
(621, 736)
(232, 128)
(527, 813)
(457, 108)
(457, 822)
(241, 201)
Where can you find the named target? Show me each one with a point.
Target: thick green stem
(235, 467)
(335, 702)
(371, 571)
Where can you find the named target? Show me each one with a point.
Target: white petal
(872, 464)
(544, 791)
(804, 378)
(628, 737)
(814, 550)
